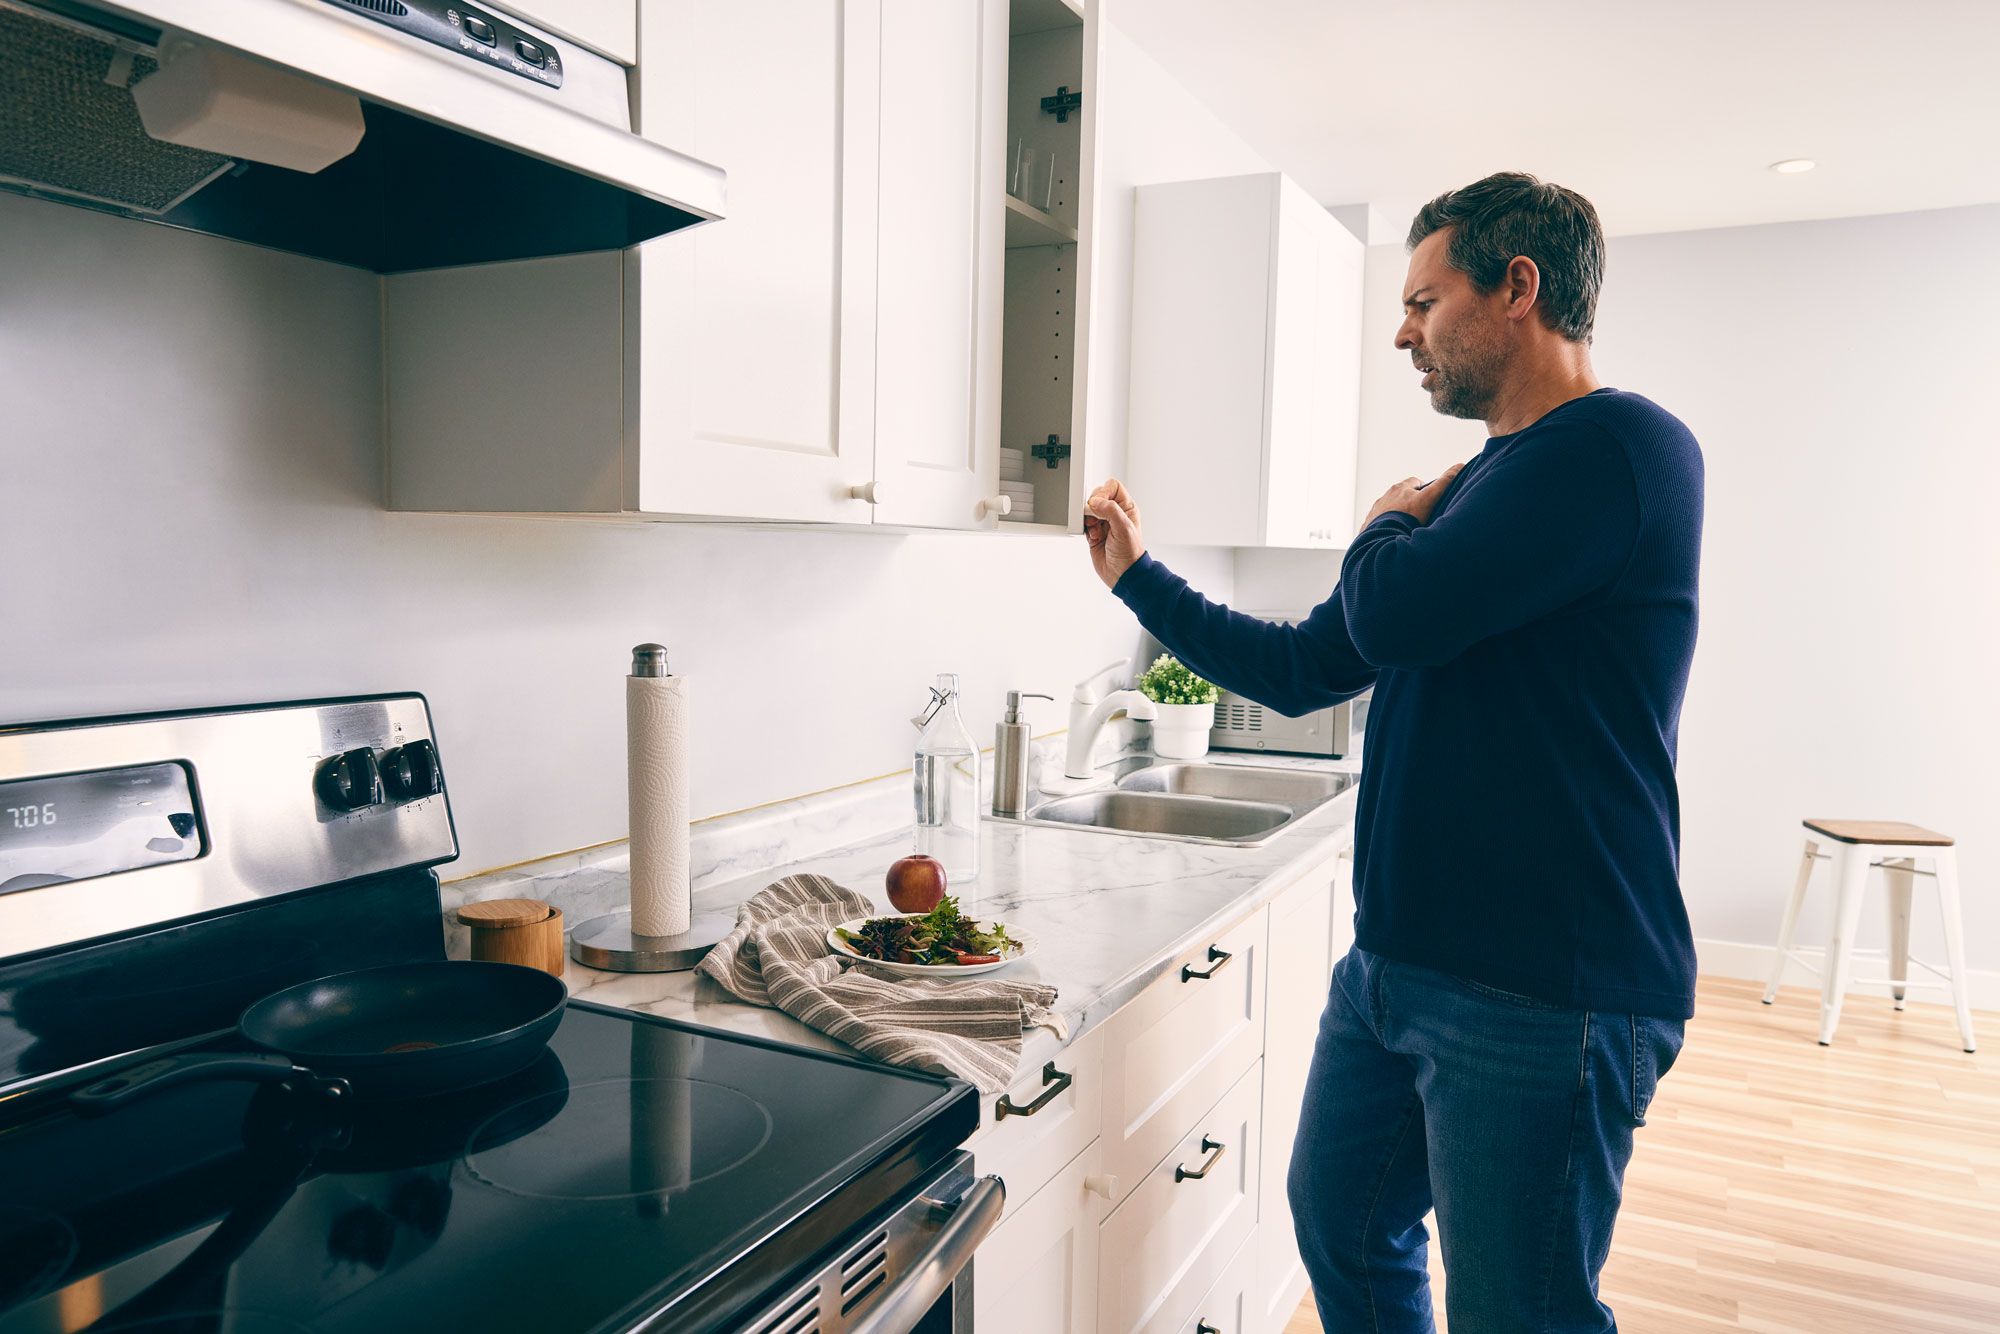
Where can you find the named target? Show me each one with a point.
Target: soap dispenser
(1012, 740)
(947, 784)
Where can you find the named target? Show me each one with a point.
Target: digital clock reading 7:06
(62, 827)
(29, 817)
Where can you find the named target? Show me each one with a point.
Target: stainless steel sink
(1210, 819)
(1286, 787)
(1237, 805)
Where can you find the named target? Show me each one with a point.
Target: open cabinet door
(939, 261)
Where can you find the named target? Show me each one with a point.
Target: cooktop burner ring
(658, 1136)
(36, 1249)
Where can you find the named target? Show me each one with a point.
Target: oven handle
(931, 1275)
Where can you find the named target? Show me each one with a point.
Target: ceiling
(1666, 115)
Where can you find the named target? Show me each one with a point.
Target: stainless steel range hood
(467, 154)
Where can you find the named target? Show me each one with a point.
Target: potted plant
(1186, 706)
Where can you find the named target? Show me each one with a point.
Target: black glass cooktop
(639, 1165)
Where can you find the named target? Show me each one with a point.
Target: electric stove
(641, 1174)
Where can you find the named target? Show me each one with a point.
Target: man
(1522, 961)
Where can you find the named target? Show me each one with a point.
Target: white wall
(1839, 377)
(190, 478)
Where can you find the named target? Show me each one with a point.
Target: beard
(1469, 368)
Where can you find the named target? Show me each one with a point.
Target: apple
(916, 883)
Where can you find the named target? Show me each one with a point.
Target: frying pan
(406, 1030)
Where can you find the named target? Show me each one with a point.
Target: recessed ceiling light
(1792, 166)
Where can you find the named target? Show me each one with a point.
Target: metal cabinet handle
(1214, 1152)
(1203, 1327)
(1056, 1080)
(1217, 958)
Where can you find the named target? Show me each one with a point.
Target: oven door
(911, 1274)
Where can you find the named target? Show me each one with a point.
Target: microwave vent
(1242, 717)
(393, 8)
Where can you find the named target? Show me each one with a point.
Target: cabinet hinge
(1063, 103)
(1053, 451)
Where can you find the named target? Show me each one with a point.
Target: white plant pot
(1181, 730)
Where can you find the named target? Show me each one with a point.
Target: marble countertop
(1108, 912)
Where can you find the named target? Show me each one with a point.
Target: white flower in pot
(1186, 706)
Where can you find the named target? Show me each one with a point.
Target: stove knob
(350, 781)
(411, 771)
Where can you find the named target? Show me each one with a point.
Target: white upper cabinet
(1246, 366)
(830, 355)
(751, 347)
(938, 261)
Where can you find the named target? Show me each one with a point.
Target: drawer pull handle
(1056, 1080)
(1203, 1327)
(1218, 958)
(1214, 1152)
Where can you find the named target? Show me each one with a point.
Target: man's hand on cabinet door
(1111, 526)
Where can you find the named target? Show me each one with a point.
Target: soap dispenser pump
(1012, 739)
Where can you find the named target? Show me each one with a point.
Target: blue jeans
(1512, 1116)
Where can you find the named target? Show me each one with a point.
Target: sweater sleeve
(1537, 529)
(1293, 669)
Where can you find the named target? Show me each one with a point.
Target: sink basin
(1166, 815)
(1296, 788)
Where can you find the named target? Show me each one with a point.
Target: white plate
(839, 946)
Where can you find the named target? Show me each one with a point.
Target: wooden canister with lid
(523, 931)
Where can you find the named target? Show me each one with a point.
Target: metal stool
(1854, 847)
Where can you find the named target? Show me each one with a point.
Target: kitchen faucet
(1087, 714)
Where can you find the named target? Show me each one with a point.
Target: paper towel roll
(657, 783)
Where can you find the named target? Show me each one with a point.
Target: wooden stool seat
(1855, 848)
(1880, 831)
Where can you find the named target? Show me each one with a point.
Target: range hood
(481, 137)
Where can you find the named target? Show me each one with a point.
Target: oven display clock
(76, 826)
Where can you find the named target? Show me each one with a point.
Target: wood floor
(1789, 1188)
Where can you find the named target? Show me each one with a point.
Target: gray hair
(1511, 213)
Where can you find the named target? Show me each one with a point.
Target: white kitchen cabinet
(1229, 1307)
(938, 249)
(1246, 364)
(831, 355)
(1027, 1150)
(1300, 967)
(1037, 1272)
(1169, 1241)
(1168, 1052)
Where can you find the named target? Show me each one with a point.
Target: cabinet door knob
(1002, 505)
(1101, 1184)
(868, 491)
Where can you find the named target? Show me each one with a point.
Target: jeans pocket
(1506, 997)
(1655, 1045)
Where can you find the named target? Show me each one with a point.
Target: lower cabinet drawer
(1175, 1233)
(1027, 1148)
(1193, 1031)
(1230, 1307)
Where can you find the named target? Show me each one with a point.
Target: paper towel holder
(609, 942)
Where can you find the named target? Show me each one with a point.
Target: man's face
(1457, 337)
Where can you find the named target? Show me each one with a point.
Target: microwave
(1244, 724)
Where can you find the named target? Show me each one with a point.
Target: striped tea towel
(778, 956)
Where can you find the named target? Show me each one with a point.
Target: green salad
(942, 937)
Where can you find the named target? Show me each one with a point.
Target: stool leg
(1853, 881)
(1791, 923)
(1945, 860)
(1896, 872)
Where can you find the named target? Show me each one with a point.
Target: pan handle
(115, 1091)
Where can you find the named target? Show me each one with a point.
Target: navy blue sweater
(1518, 822)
